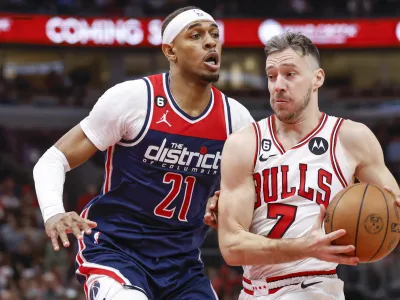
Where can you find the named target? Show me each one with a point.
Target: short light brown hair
(296, 41)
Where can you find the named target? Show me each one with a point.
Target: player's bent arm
(116, 113)
(236, 205)
(71, 150)
(364, 148)
(76, 146)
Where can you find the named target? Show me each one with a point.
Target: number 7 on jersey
(287, 214)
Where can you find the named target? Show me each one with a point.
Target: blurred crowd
(57, 88)
(219, 8)
(29, 268)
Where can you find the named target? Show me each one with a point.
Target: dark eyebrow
(194, 25)
(284, 65)
(199, 24)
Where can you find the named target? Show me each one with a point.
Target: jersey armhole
(334, 160)
(147, 121)
(257, 132)
(227, 112)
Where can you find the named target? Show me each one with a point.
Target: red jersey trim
(303, 141)
(301, 274)
(175, 107)
(109, 169)
(271, 128)
(334, 161)
(287, 276)
(314, 132)
(257, 132)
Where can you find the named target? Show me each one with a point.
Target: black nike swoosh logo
(262, 159)
(303, 285)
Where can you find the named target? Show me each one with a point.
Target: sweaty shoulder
(353, 134)
(240, 147)
(238, 156)
(240, 115)
(358, 141)
(118, 114)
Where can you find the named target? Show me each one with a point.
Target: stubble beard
(291, 116)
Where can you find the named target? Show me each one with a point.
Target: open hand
(319, 245)
(59, 225)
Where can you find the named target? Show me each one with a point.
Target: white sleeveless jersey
(290, 185)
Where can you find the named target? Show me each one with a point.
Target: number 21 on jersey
(163, 209)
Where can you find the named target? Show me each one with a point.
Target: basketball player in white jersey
(279, 175)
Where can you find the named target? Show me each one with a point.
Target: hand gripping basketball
(319, 245)
(397, 197)
(62, 224)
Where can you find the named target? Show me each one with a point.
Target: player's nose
(210, 42)
(280, 84)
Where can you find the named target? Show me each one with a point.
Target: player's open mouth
(212, 60)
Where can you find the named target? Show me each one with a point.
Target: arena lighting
(322, 33)
(235, 33)
(100, 31)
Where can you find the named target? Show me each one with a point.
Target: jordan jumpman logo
(164, 119)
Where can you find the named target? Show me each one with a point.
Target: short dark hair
(296, 41)
(172, 15)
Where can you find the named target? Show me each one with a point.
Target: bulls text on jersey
(267, 183)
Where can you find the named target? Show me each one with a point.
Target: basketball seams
(387, 226)
(358, 219)
(372, 235)
(333, 211)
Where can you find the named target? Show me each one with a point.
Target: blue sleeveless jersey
(156, 186)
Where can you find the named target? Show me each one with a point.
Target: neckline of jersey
(304, 140)
(175, 106)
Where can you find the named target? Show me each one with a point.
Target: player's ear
(318, 78)
(169, 52)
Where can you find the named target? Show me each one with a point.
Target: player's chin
(284, 115)
(210, 77)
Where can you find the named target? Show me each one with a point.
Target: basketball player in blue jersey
(278, 176)
(163, 136)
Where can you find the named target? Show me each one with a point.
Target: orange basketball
(371, 218)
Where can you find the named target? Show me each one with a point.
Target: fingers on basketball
(341, 249)
(344, 259)
(330, 237)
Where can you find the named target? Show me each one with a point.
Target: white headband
(181, 21)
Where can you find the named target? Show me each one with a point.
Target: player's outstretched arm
(106, 124)
(71, 150)
(236, 206)
(363, 147)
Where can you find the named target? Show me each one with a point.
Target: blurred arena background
(58, 56)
